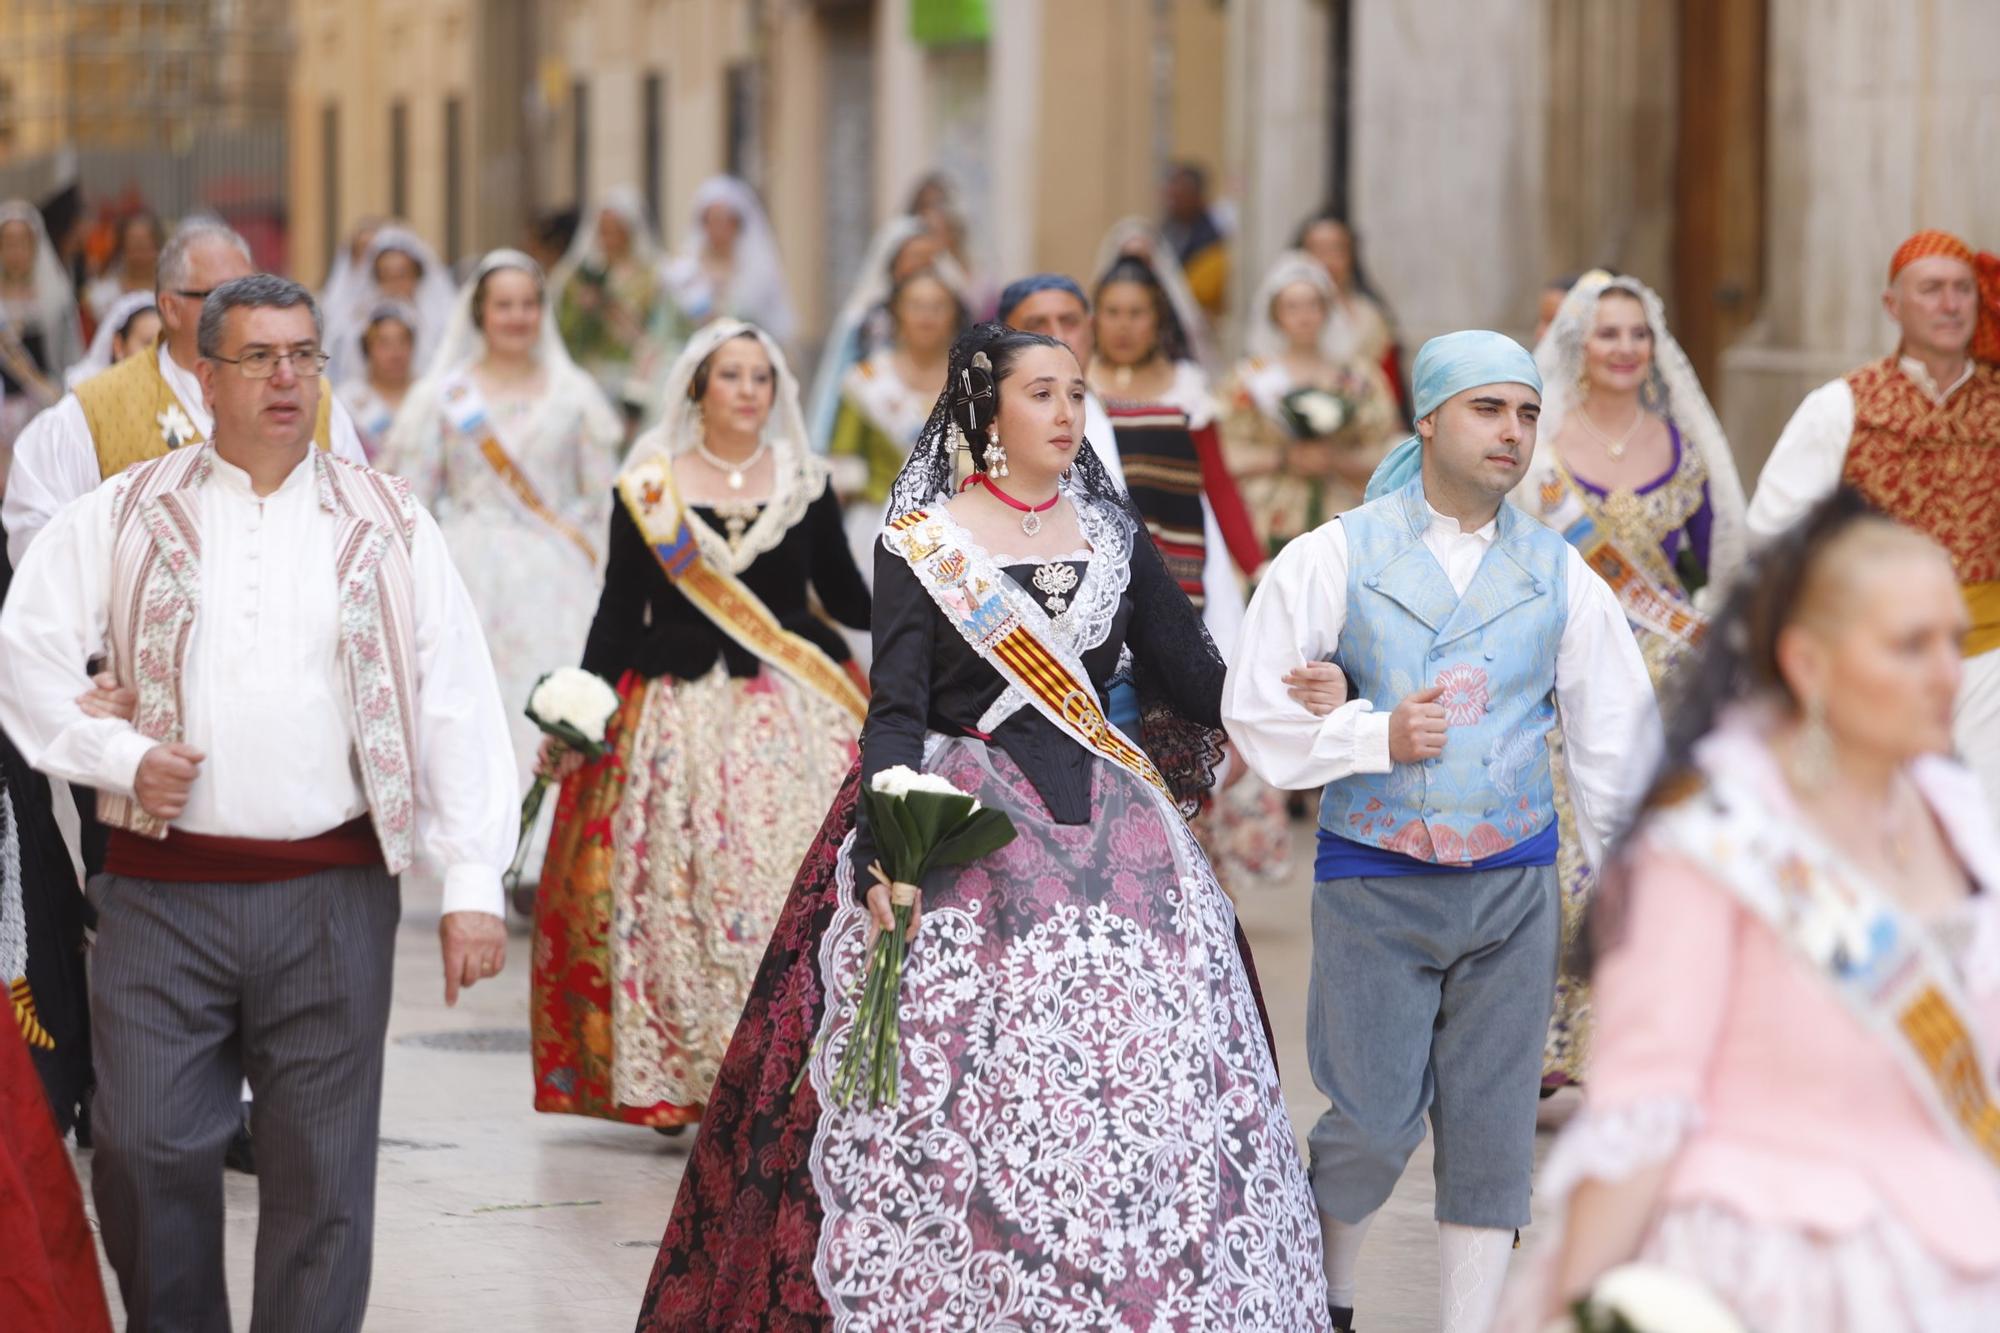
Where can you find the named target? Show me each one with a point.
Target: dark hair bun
(983, 356)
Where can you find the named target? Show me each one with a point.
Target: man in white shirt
(314, 706)
(143, 409)
(1918, 434)
(1468, 629)
(137, 410)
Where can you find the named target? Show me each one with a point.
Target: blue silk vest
(1494, 651)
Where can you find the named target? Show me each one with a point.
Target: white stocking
(1472, 1268)
(1340, 1243)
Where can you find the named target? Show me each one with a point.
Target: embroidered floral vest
(131, 411)
(1934, 466)
(1493, 650)
(155, 597)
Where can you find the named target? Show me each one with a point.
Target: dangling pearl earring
(1813, 753)
(996, 454)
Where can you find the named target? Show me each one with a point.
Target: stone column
(1277, 132)
(1448, 160)
(1882, 122)
(1014, 131)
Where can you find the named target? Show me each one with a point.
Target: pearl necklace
(733, 471)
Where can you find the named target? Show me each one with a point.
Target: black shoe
(1342, 1316)
(241, 1154)
(83, 1118)
(670, 1131)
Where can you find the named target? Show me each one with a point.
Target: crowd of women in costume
(630, 475)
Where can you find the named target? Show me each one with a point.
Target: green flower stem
(531, 808)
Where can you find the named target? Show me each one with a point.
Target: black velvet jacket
(645, 624)
(926, 677)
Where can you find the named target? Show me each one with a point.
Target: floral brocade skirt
(1089, 1135)
(668, 866)
(1568, 1048)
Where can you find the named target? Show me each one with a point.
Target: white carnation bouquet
(920, 822)
(574, 706)
(1645, 1298)
(1315, 414)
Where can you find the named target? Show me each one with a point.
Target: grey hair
(173, 266)
(258, 291)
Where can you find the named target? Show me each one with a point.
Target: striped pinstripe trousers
(192, 988)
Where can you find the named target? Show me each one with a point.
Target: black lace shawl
(1187, 750)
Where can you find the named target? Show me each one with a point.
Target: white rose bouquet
(1315, 414)
(920, 822)
(574, 706)
(1645, 1298)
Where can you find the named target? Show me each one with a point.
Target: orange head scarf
(1985, 271)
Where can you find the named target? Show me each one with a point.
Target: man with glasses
(315, 706)
(147, 404)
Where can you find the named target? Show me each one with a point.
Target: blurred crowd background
(1753, 160)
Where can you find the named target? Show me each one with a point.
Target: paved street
(491, 1217)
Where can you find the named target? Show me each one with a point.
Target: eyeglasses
(260, 363)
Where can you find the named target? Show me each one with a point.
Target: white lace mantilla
(1092, 607)
(1091, 1136)
(13, 916)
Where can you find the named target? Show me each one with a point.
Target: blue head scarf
(1021, 289)
(1450, 364)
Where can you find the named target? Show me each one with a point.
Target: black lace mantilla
(1186, 751)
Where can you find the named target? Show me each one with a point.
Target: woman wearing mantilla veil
(1089, 1133)
(513, 448)
(672, 856)
(1631, 466)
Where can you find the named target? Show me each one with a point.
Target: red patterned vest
(1934, 466)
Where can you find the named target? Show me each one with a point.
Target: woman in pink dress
(1792, 1095)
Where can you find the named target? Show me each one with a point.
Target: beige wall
(362, 57)
(1447, 172)
(1883, 120)
(134, 75)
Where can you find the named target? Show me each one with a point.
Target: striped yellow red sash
(650, 496)
(987, 609)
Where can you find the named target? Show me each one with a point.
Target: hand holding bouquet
(1315, 414)
(573, 707)
(1642, 1298)
(920, 822)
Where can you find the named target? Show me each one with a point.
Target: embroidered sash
(1883, 965)
(654, 502)
(996, 618)
(465, 409)
(1646, 601)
